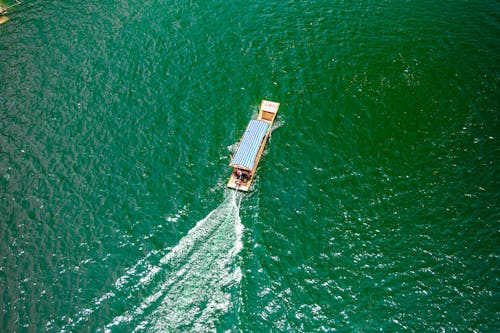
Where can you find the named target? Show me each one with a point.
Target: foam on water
(188, 288)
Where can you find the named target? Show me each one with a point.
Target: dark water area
(375, 206)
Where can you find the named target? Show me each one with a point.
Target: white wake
(188, 289)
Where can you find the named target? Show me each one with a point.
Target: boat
(247, 157)
(3, 14)
(4, 9)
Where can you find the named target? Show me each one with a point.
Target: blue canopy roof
(250, 144)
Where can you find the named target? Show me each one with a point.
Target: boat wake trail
(188, 289)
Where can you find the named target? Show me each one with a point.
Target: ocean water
(375, 206)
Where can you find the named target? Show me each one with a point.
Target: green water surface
(375, 206)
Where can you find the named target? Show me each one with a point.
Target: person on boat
(245, 176)
(242, 175)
